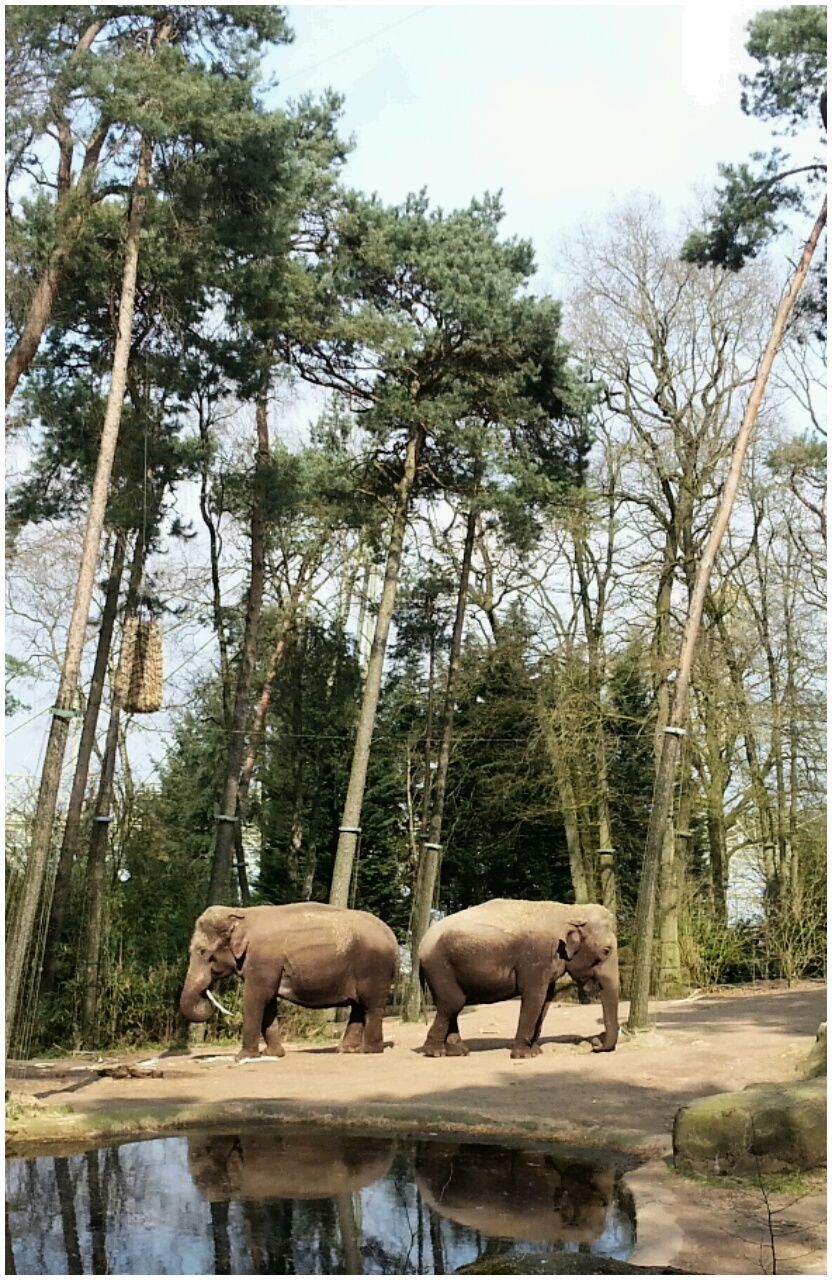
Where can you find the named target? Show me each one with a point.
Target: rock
(764, 1128)
(559, 1264)
(816, 1061)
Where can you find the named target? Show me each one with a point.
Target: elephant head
(589, 950)
(218, 948)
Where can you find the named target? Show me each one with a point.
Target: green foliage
(304, 764)
(790, 45)
(504, 831)
(748, 208)
(16, 669)
(630, 767)
(747, 213)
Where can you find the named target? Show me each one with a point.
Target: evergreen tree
(789, 88)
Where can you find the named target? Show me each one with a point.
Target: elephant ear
(571, 940)
(238, 935)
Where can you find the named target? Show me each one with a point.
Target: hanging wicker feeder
(139, 676)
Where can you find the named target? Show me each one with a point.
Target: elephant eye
(605, 951)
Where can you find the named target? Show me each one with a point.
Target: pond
(295, 1202)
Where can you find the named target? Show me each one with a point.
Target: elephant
(266, 1165)
(508, 947)
(309, 953)
(517, 1195)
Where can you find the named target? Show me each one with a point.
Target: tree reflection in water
(292, 1202)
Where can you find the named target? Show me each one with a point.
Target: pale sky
(564, 107)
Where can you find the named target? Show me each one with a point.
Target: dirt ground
(624, 1101)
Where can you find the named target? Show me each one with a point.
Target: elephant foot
(246, 1055)
(349, 1048)
(373, 1048)
(433, 1050)
(524, 1051)
(456, 1049)
(277, 1052)
(598, 1045)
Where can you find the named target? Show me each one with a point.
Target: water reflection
(522, 1195)
(293, 1203)
(263, 1165)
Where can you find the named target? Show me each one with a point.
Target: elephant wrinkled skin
(291, 1166)
(507, 947)
(309, 953)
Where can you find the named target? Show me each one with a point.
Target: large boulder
(763, 1128)
(816, 1061)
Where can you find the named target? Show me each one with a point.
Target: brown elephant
(506, 948)
(267, 1165)
(516, 1195)
(308, 953)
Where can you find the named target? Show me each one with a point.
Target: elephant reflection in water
(272, 1166)
(519, 1195)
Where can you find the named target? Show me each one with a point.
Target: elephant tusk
(215, 1002)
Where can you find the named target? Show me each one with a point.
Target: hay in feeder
(139, 676)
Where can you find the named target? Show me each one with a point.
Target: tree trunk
(298, 778)
(436, 1246)
(427, 784)
(72, 827)
(350, 1234)
(718, 848)
(606, 851)
(663, 793)
(351, 818)
(288, 624)
(221, 1239)
(71, 208)
(593, 630)
(220, 883)
(69, 1221)
(776, 744)
(21, 936)
(758, 782)
(568, 805)
(432, 846)
(96, 873)
(98, 1215)
(792, 730)
(670, 977)
(216, 591)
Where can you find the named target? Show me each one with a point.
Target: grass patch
(790, 1183)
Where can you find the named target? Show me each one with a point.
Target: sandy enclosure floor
(623, 1101)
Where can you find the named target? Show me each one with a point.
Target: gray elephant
(506, 948)
(308, 953)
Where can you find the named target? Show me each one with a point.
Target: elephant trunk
(609, 1007)
(193, 1001)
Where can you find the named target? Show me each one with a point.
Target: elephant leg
(450, 1000)
(271, 1030)
(532, 1009)
(352, 1039)
(373, 1038)
(539, 1027)
(455, 1046)
(254, 1005)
